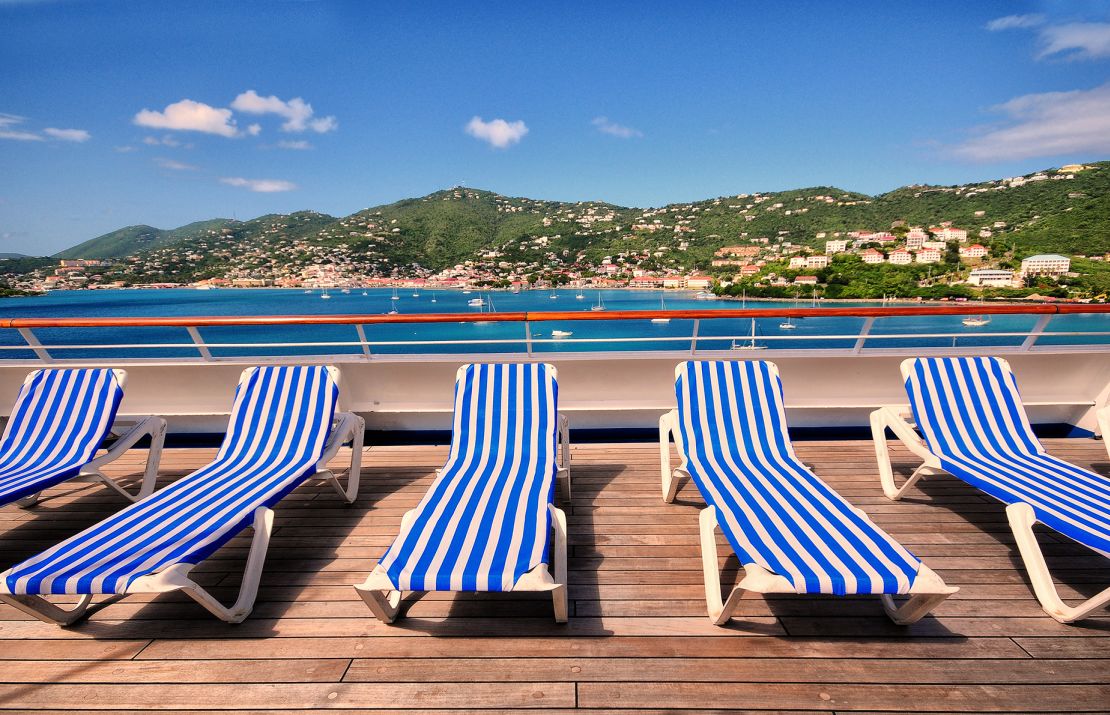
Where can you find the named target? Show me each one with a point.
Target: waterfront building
(1045, 264)
(991, 278)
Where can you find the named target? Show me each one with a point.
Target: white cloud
(300, 144)
(67, 135)
(613, 129)
(297, 113)
(1047, 124)
(166, 140)
(497, 132)
(191, 116)
(174, 165)
(125, 149)
(1015, 22)
(254, 130)
(9, 130)
(263, 186)
(1076, 40)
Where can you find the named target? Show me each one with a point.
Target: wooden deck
(638, 637)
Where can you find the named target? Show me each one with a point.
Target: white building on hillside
(991, 278)
(1046, 264)
(836, 247)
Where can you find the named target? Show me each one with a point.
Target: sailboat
(476, 302)
(345, 290)
(662, 306)
(788, 324)
(600, 305)
(395, 296)
(746, 345)
(434, 298)
(553, 295)
(976, 321)
(579, 296)
(325, 295)
(365, 293)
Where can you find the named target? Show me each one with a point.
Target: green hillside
(1047, 211)
(131, 240)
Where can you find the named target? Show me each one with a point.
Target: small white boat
(345, 290)
(553, 295)
(325, 295)
(748, 344)
(365, 293)
(466, 291)
(600, 304)
(561, 334)
(395, 296)
(476, 302)
(434, 299)
(416, 294)
(976, 321)
(662, 306)
(579, 296)
(307, 291)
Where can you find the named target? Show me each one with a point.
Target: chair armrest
(152, 425)
(347, 426)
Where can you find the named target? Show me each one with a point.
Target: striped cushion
(484, 521)
(279, 424)
(972, 418)
(774, 511)
(59, 420)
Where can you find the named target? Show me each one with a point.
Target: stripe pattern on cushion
(971, 416)
(484, 521)
(278, 428)
(774, 511)
(58, 422)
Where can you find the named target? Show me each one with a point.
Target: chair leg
(669, 477)
(383, 604)
(720, 612)
(917, 607)
(49, 612)
(28, 501)
(1022, 518)
(881, 419)
(248, 590)
(559, 562)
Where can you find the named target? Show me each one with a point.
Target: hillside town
(760, 244)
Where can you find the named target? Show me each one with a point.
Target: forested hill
(1056, 210)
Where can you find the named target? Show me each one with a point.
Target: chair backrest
(60, 418)
(484, 521)
(731, 406)
(968, 406)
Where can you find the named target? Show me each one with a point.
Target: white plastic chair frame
(1019, 514)
(349, 427)
(927, 592)
(384, 600)
(152, 426)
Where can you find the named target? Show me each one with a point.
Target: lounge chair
(59, 420)
(280, 434)
(790, 531)
(485, 523)
(975, 428)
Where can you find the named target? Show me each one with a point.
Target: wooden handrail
(540, 316)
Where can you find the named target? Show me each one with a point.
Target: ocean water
(809, 333)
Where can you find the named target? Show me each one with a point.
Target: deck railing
(691, 342)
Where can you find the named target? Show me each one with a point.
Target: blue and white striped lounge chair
(790, 531)
(279, 435)
(59, 420)
(485, 523)
(975, 427)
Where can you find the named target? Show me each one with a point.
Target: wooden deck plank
(638, 640)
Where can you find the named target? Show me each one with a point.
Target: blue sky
(117, 113)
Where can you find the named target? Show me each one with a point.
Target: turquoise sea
(599, 335)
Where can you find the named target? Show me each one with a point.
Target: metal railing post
(863, 333)
(362, 339)
(528, 338)
(41, 352)
(1038, 328)
(199, 342)
(694, 337)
